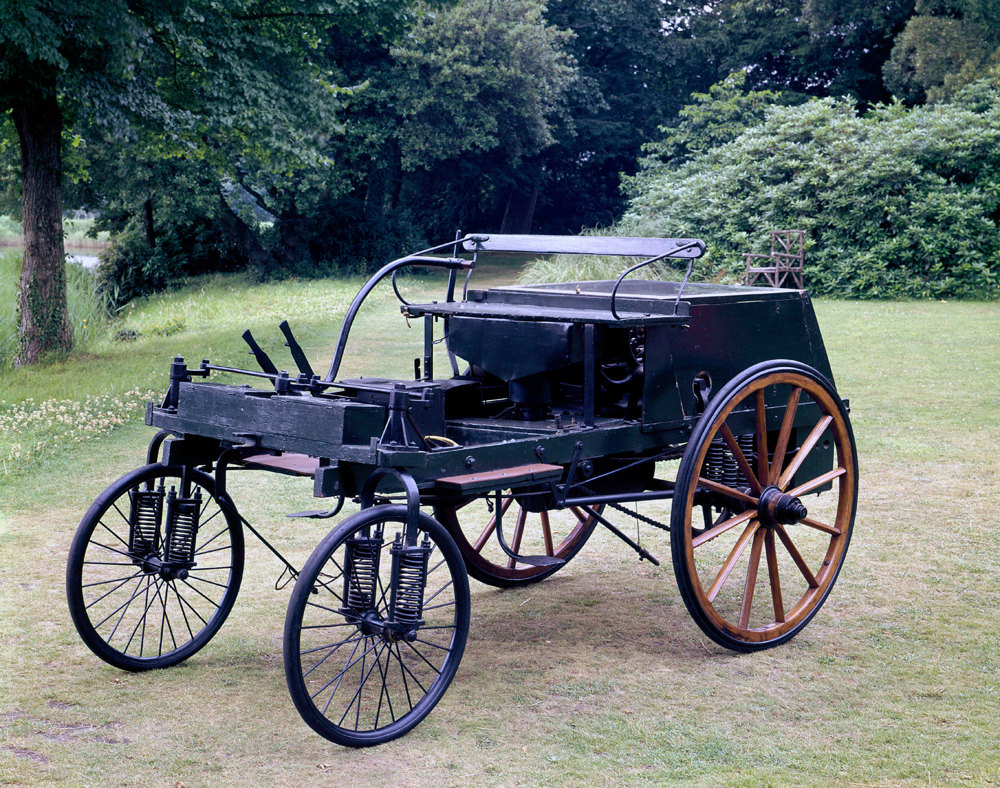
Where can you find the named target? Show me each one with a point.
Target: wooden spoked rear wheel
(755, 571)
(558, 533)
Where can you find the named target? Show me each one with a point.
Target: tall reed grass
(88, 308)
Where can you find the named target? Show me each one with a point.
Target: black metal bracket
(589, 375)
(153, 452)
(672, 253)
(532, 560)
(421, 258)
(320, 514)
(409, 488)
(400, 430)
(561, 490)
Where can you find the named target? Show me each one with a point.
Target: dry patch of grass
(596, 676)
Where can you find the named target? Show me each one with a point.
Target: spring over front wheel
(154, 568)
(375, 629)
(753, 576)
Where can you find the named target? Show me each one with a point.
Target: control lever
(297, 354)
(263, 360)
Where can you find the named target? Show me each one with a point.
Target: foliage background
(324, 138)
(895, 203)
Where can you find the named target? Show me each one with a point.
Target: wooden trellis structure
(784, 263)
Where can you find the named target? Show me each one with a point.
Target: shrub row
(895, 203)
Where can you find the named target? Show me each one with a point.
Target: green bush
(130, 267)
(896, 203)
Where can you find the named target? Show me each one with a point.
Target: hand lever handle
(262, 358)
(297, 354)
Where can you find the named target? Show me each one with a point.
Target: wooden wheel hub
(776, 507)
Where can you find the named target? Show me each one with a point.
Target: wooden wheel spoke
(724, 490)
(796, 556)
(740, 457)
(722, 527)
(829, 529)
(772, 573)
(819, 481)
(731, 559)
(751, 580)
(803, 452)
(760, 424)
(547, 534)
(515, 545)
(491, 525)
(784, 434)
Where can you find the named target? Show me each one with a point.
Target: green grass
(594, 677)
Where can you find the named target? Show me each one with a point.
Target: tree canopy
(944, 46)
(196, 80)
(298, 138)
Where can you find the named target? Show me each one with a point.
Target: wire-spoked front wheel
(375, 627)
(154, 568)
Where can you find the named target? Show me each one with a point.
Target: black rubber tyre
(387, 684)
(559, 533)
(132, 616)
(801, 574)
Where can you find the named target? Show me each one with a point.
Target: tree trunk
(293, 244)
(147, 222)
(245, 240)
(43, 321)
(520, 210)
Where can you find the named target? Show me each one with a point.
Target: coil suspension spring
(361, 562)
(720, 465)
(182, 527)
(409, 578)
(144, 519)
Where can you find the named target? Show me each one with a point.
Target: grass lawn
(596, 676)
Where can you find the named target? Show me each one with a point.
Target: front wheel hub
(372, 623)
(776, 507)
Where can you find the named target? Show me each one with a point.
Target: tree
(626, 87)
(858, 36)
(209, 77)
(449, 121)
(945, 45)
(712, 119)
(478, 89)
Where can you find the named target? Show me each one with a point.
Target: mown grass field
(596, 676)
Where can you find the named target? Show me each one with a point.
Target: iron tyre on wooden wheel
(140, 599)
(366, 660)
(558, 533)
(767, 503)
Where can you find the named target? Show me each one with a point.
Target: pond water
(86, 260)
(83, 256)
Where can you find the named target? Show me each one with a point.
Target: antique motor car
(562, 406)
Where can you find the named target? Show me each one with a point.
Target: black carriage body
(526, 398)
(563, 402)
